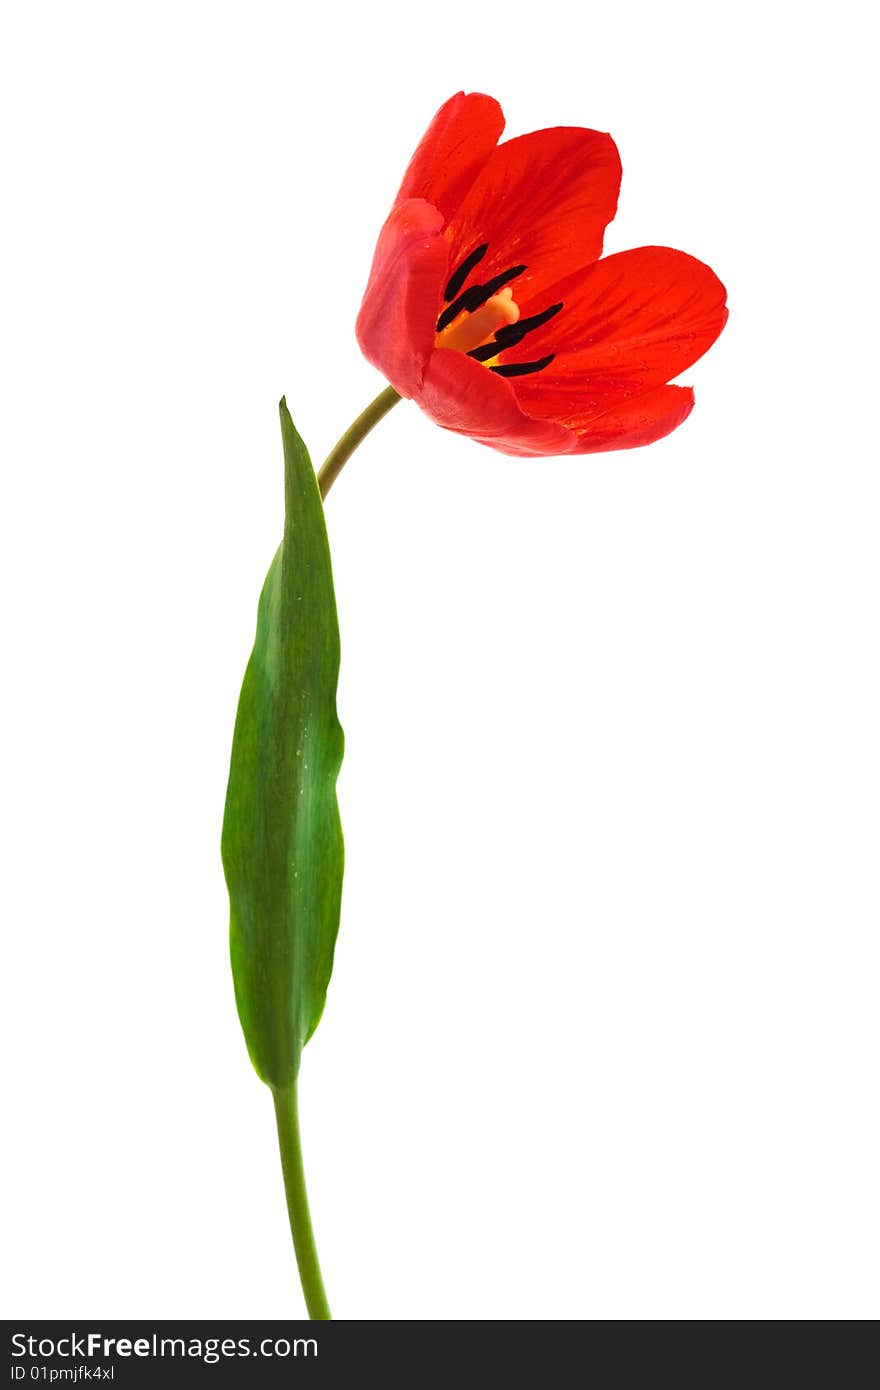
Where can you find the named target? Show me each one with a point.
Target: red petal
(630, 323)
(639, 421)
(542, 200)
(395, 326)
(462, 395)
(453, 150)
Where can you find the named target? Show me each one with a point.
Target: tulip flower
(488, 305)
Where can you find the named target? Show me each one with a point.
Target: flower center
(484, 320)
(471, 330)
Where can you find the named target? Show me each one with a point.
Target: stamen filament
(523, 368)
(476, 296)
(511, 334)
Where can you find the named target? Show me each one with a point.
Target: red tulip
(488, 304)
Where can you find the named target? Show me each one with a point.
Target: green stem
(287, 1119)
(341, 452)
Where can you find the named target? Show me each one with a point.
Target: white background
(602, 1037)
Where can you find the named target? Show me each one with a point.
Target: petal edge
(395, 325)
(465, 397)
(634, 423)
(453, 150)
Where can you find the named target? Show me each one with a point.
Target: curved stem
(287, 1119)
(341, 452)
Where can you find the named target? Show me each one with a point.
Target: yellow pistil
(469, 331)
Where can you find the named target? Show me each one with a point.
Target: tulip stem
(341, 452)
(287, 1119)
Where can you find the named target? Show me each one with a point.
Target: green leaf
(282, 839)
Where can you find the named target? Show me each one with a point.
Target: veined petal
(642, 420)
(542, 200)
(395, 326)
(630, 323)
(463, 396)
(453, 150)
